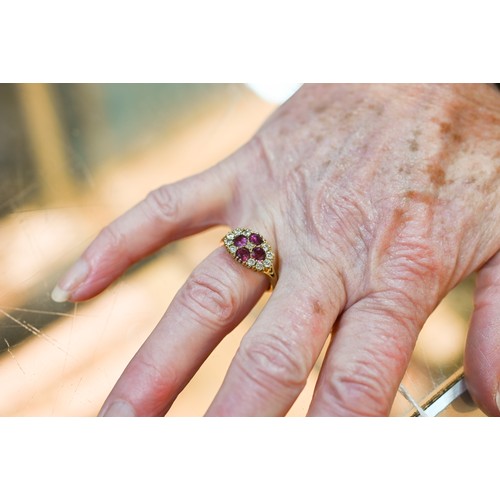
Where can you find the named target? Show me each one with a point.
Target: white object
(276, 93)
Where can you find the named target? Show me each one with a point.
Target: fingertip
(482, 380)
(497, 400)
(117, 408)
(59, 295)
(73, 279)
(482, 350)
(486, 400)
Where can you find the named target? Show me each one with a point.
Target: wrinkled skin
(378, 199)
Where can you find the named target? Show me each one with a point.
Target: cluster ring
(249, 248)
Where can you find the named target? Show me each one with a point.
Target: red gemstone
(243, 254)
(258, 253)
(255, 239)
(240, 241)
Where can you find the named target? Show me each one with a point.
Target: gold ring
(250, 249)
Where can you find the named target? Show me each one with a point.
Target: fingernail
(70, 281)
(498, 400)
(117, 409)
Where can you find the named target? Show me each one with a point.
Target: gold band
(250, 249)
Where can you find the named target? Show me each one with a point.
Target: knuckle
(164, 378)
(162, 203)
(412, 290)
(358, 392)
(415, 259)
(208, 298)
(408, 251)
(273, 364)
(402, 310)
(115, 241)
(163, 381)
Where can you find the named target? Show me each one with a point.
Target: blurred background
(75, 156)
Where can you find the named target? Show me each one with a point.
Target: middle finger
(276, 356)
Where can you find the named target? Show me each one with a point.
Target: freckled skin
(378, 199)
(392, 203)
(358, 176)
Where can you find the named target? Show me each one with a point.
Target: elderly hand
(377, 199)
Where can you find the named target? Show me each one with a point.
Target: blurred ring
(250, 249)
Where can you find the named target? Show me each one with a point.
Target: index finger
(166, 214)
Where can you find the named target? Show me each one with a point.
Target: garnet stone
(255, 238)
(240, 241)
(243, 254)
(258, 253)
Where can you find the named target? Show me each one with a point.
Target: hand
(378, 199)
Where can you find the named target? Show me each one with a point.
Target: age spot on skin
(378, 109)
(437, 175)
(321, 108)
(447, 129)
(318, 308)
(420, 197)
(414, 147)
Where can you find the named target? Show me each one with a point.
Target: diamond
(259, 266)
(267, 263)
(232, 249)
(251, 262)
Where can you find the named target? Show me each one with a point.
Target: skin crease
(378, 199)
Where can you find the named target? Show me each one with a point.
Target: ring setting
(249, 248)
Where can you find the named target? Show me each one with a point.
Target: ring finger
(214, 299)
